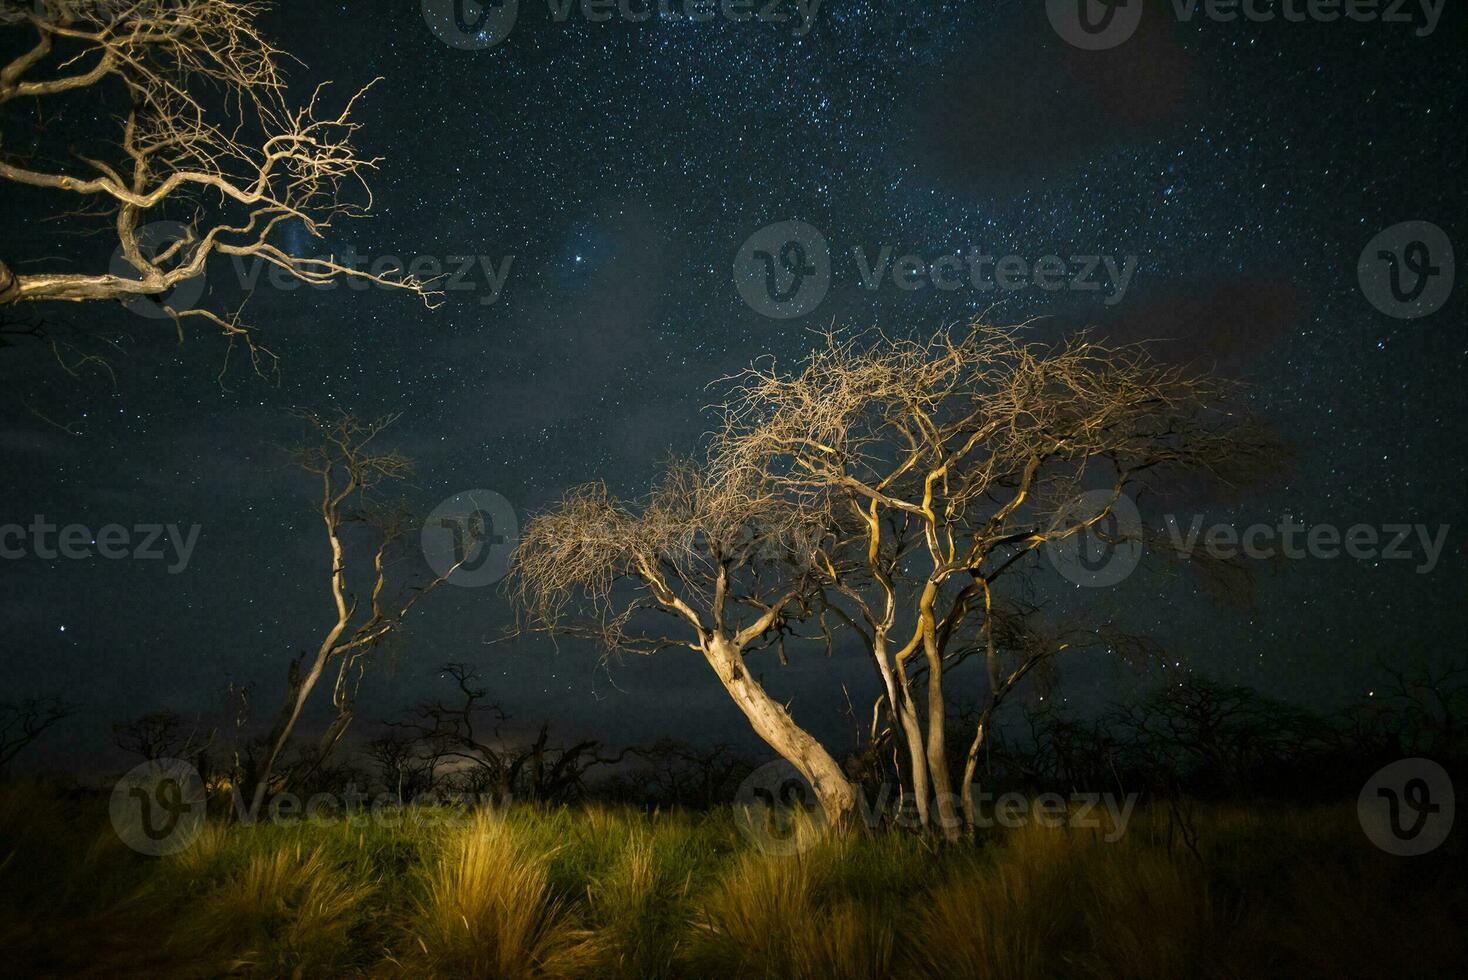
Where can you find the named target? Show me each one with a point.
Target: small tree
(155, 735)
(403, 765)
(461, 732)
(349, 466)
(23, 722)
(462, 736)
(674, 773)
(708, 565)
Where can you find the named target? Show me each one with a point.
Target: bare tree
(705, 565)
(462, 732)
(168, 735)
(948, 463)
(674, 773)
(539, 770)
(463, 737)
(207, 136)
(23, 722)
(153, 736)
(1415, 709)
(1219, 737)
(403, 765)
(350, 466)
(78, 351)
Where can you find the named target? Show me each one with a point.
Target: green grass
(601, 892)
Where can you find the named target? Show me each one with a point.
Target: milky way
(611, 171)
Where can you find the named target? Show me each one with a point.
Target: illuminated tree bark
(349, 466)
(717, 559)
(947, 463)
(208, 139)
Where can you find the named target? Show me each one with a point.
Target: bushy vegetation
(537, 891)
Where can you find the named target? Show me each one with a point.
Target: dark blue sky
(1244, 166)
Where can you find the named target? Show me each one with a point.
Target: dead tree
(350, 466)
(1414, 709)
(948, 462)
(706, 565)
(1215, 737)
(402, 765)
(78, 351)
(462, 737)
(542, 771)
(461, 733)
(23, 722)
(675, 773)
(206, 136)
(156, 735)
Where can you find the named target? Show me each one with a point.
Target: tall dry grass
(487, 910)
(613, 893)
(785, 915)
(286, 911)
(1048, 899)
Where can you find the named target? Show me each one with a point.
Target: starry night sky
(1245, 165)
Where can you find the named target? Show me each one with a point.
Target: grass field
(596, 892)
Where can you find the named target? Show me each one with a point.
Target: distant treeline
(1208, 740)
(1191, 737)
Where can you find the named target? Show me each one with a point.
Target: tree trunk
(949, 821)
(836, 793)
(970, 768)
(298, 690)
(905, 723)
(913, 735)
